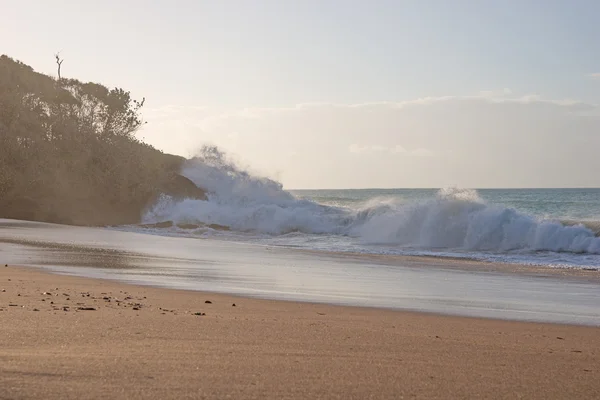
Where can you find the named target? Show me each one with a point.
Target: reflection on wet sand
(420, 284)
(51, 253)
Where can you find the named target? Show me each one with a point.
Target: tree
(59, 63)
(71, 147)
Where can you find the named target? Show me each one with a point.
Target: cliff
(69, 154)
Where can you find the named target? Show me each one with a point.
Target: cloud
(358, 149)
(397, 149)
(392, 150)
(595, 76)
(490, 139)
(421, 152)
(495, 93)
(208, 118)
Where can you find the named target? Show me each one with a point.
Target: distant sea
(553, 227)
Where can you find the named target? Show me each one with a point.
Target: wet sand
(448, 286)
(144, 342)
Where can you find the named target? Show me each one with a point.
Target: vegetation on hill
(68, 151)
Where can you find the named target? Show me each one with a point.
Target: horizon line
(467, 188)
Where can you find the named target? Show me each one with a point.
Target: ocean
(550, 227)
(251, 237)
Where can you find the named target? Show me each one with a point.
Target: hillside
(68, 152)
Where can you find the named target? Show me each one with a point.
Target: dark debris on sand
(53, 298)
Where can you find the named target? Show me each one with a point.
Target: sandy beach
(422, 284)
(299, 200)
(68, 337)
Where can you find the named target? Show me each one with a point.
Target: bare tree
(59, 63)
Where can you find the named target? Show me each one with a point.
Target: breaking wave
(452, 219)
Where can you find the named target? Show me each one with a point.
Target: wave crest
(452, 219)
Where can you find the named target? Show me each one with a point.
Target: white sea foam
(459, 219)
(452, 219)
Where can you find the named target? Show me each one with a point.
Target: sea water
(272, 227)
(282, 273)
(553, 227)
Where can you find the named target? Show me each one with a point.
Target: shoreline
(147, 342)
(262, 297)
(591, 274)
(584, 273)
(421, 284)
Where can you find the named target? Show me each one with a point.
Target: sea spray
(457, 219)
(451, 219)
(242, 201)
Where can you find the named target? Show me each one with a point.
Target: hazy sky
(345, 93)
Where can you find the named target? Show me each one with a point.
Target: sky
(345, 94)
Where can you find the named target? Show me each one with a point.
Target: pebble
(208, 302)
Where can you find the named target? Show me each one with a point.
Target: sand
(143, 342)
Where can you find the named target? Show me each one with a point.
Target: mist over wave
(243, 202)
(452, 219)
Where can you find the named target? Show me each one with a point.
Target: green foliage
(70, 147)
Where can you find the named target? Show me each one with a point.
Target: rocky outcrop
(78, 209)
(28, 209)
(181, 187)
(63, 161)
